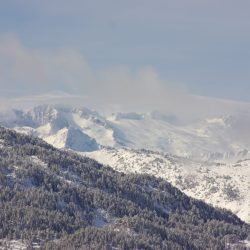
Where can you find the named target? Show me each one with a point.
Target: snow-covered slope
(217, 138)
(63, 128)
(116, 141)
(209, 139)
(223, 185)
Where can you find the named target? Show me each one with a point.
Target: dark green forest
(61, 200)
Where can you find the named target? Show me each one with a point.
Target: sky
(139, 53)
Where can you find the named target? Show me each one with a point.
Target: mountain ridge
(59, 200)
(217, 138)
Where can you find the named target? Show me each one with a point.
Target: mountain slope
(223, 185)
(47, 195)
(224, 140)
(217, 138)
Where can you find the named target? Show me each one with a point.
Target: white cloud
(25, 72)
(34, 70)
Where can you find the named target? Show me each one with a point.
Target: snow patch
(102, 218)
(1, 143)
(38, 161)
(16, 245)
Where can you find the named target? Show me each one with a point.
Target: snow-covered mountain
(207, 159)
(55, 199)
(220, 184)
(217, 138)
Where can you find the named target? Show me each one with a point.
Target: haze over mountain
(126, 49)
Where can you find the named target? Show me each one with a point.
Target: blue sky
(78, 46)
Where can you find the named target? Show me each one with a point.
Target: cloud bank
(69, 78)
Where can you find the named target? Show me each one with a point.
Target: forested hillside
(61, 200)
